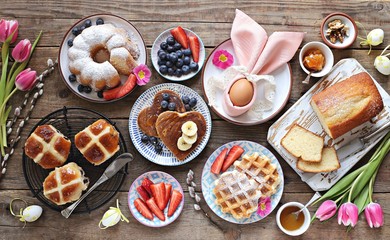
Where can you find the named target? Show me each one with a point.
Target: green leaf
(372, 167)
(341, 186)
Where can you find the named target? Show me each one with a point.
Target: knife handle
(367, 138)
(68, 211)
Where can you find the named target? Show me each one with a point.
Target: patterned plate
(209, 178)
(166, 157)
(156, 177)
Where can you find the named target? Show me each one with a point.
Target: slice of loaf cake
(347, 104)
(329, 162)
(302, 143)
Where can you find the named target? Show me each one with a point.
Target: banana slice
(189, 128)
(190, 139)
(182, 145)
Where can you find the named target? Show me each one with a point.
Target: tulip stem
(371, 185)
(353, 186)
(11, 71)
(6, 100)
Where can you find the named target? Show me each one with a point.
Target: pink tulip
(7, 28)
(326, 210)
(348, 214)
(26, 79)
(13, 28)
(22, 50)
(374, 215)
(3, 30)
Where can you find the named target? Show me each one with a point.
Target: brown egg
(241, 92)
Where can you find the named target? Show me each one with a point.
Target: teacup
(302, 228)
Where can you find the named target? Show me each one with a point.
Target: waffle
(260, 169)
(236, 194)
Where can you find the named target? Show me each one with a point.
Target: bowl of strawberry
(156, 199)
(178, 54)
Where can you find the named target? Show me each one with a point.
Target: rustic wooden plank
(271, 12)
(211, 33)
(222, 132)
(190, 225)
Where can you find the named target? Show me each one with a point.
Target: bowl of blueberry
(104, 95)
(178, 54)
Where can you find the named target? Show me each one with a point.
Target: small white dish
(306, 222)
(345, 19)
(156, 46)
(155, 177)
(329, 60)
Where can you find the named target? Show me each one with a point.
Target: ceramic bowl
(348, 21)
(305, 224)
(325, 51)
(156, 46)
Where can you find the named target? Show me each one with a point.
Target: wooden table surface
(211, 20)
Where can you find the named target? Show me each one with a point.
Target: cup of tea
(290, 223)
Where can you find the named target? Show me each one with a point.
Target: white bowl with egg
(325, 50)
(286, 221)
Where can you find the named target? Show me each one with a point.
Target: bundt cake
(100, 54)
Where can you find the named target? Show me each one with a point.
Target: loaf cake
(347, 104)
(329, 162)
(302, 143)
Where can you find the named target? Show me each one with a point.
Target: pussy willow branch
(38, 92)
(191, 189)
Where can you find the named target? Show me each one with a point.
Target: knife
(110, 171)
(361, 142)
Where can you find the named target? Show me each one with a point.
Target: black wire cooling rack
(70, 121)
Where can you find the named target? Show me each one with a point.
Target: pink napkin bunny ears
(260, 54)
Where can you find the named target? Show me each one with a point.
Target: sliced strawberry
(121, 91)
(154, 208)
(111, 93)
(158, 193)
(175, 202)
(195, 47)
(128, 86)
(180, 35)
(143, 193)
(168, 190)
(218, 162)
(143, 209)
(146, 184)
(234, 153)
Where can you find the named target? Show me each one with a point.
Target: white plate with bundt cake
(98, 53)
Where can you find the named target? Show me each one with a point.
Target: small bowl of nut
(338, 30)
